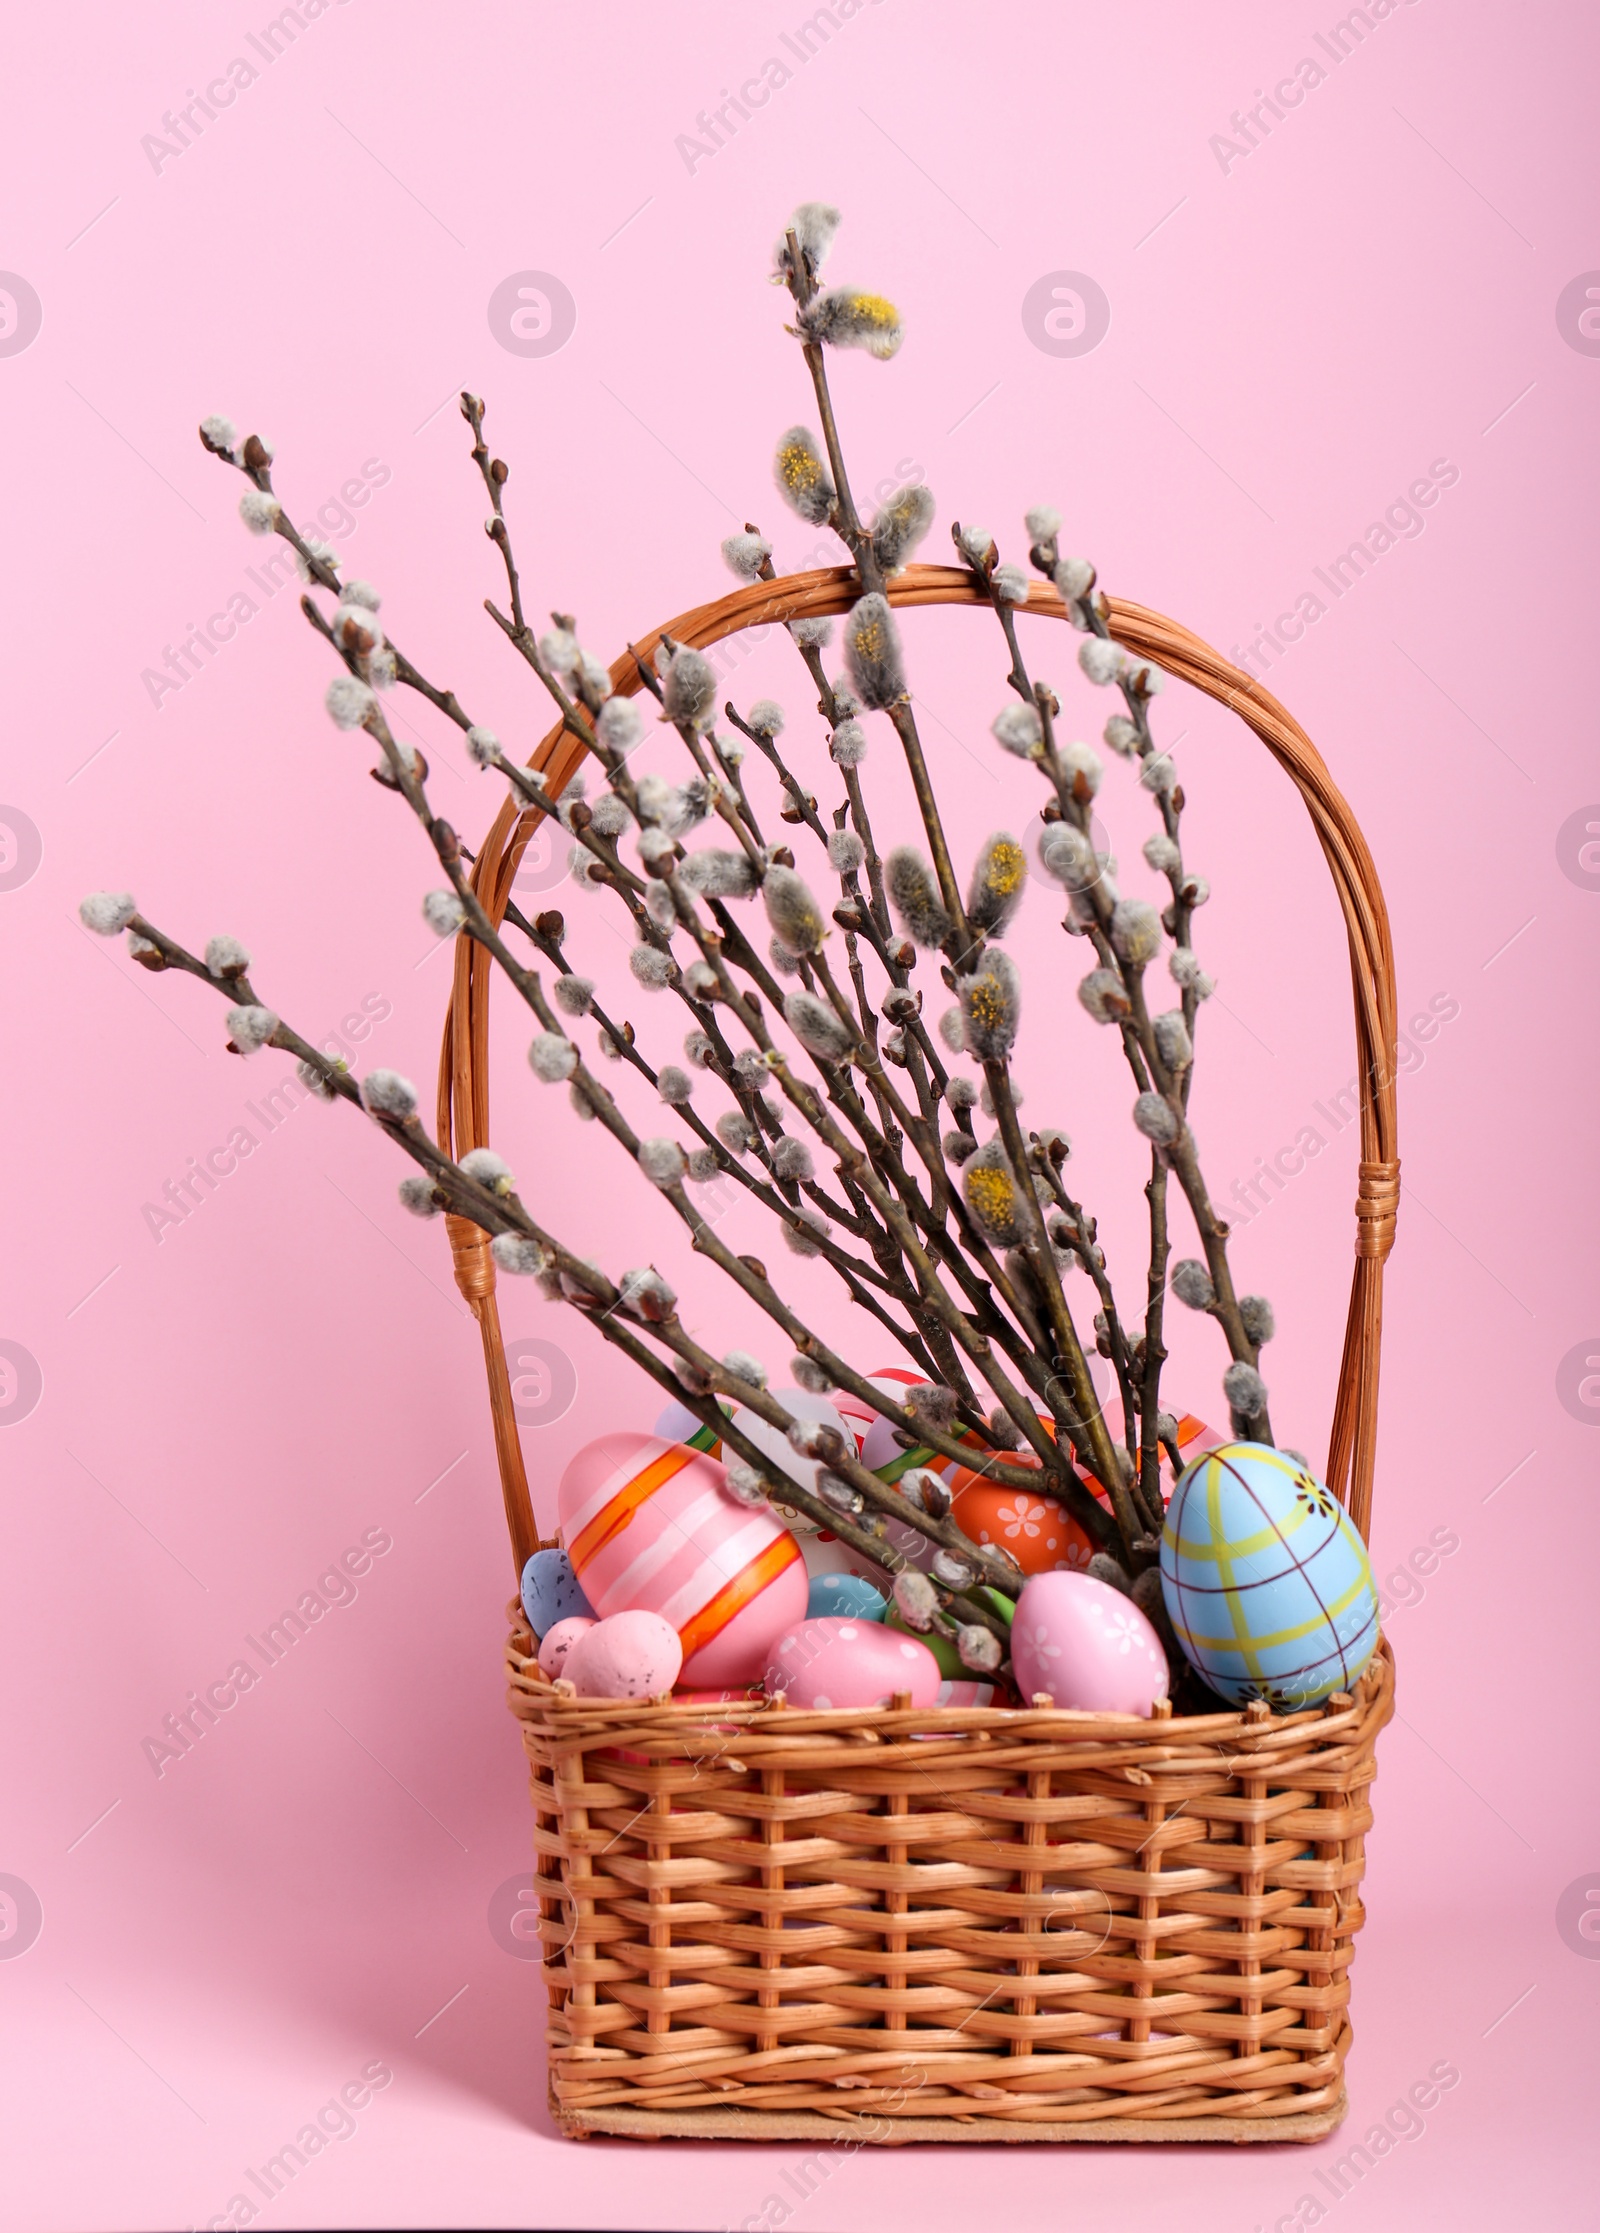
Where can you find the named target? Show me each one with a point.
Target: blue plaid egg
(1265, 1579)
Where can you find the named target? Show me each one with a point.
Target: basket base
(809, 2124)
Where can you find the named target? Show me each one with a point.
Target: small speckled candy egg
(1265, 1579)
(851, 1596)
(551, 1591)
(1087, 1646)
(631, 1655)
(828, 1662)
(559, 1641)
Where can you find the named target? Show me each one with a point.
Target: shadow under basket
(961, 1924)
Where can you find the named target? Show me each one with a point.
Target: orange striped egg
(649, 1524)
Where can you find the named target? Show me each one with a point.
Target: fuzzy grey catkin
(662, 1161)
(1102, 993)
(746, 554)
(991, 1006)
(1018, 729)
(1136, 932)
(979, 1649)
(1192, 1285)
(1068, 856)
(226, 957)
(901, 523)
(791, 1159)
(251, 1026)
(704, 1165)
(958, 1146)
(675, 1086)
(1259, 1319)
(916, 899)
(848, 744)
(1173, 1043)
(651, 967)
(845, 852)
(719, 874)
(417, 1196)
(489, 1170)
(1245, 1390)
(1010, 585)
(999, 879)
(817, 1028)
(802, 476)
(386, 1093)
(735, 1132)
(1155, 1119)
(1162, 853)
(574, 994)
(797, 921)
(552, 1057)
(804, 1230)
(853, 318)
(872, 653)
(517, 1254)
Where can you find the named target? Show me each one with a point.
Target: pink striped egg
(649, 1524)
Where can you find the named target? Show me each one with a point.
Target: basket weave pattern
(957, 1923)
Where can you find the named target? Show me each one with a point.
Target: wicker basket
(953, 1924)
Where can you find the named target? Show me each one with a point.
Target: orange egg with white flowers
(1040, 1534)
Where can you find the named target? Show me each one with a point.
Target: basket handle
(464, 1061)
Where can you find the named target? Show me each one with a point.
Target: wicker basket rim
(464, 1057)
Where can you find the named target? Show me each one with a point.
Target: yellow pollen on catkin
(800, 469)
(992, 1197)
(1006, 869)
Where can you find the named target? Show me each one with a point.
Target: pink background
(226, 1408)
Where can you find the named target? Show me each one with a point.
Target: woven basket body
(954, 1924)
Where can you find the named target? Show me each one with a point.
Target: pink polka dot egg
(831, 1661)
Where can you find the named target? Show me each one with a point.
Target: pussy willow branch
(465, 1197)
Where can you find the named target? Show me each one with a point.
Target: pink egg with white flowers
(1086, 1646)
(630, 1655)
(651, 1525)
(559, 1640)
(829, 1661)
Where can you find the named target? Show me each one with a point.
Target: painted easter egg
(857, 1414)
(651, 1524)
(678, 1423)
(558, 1641)
(1086, 1646)
(629, 1655)
(856, 1663)
(785, 1458)
(1265, 1579)
(551, 1591)
(1040, 1534)
(966, 1692)
(849, 1595)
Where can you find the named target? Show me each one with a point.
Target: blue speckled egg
(1266, 1580)
(552, 1592)
(849, 1594)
